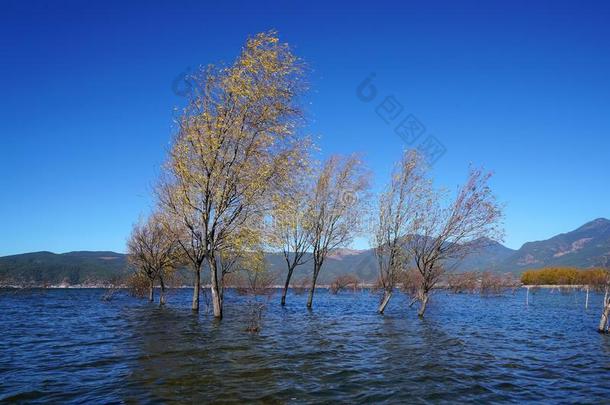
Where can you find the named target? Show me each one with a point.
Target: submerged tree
(301, 286)
(236, 145)
(183, 220)
(496, 284)
(291, 230)
(251, 277)
(337, 209)
(242, 254)
(395, 224)
(447, 234)
(345, 281)
(153, 252)
(466, 282)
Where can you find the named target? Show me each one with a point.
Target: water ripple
(69, 346)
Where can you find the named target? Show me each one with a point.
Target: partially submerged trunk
(285, 291)
(151, 291)
(603, 322)
(162, 298)
(424, 303)
(316, 271)
(216, 287)
(384, 302)
(196, 287)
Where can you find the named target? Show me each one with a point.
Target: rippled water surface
(62, 346)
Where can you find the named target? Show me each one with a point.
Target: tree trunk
(384, 302)
(151, 291)
(603, 322)
(290, 270)
(162, 298)
(316, 271)
(195, 306)
(216, 287)
(422, 308)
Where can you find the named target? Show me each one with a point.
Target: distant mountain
(587, 246)
(493, 258)
(42, 268)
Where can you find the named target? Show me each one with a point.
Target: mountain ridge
(586, 246)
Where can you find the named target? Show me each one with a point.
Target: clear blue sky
(87, 102)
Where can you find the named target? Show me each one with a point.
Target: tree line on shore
(241, 178)
(596, 277)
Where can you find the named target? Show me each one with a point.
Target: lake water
(61, 346)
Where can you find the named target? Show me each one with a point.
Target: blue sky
(522, 88)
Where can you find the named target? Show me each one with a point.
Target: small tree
(253, 279)
(241, 253)
(410, 283)
(153, 252)
(291, 231)
(337, 209)
(346, 281)
(301, 286)
(182, 219)
(492, 284)
(463, 282)
(398, 206)
(446, 234)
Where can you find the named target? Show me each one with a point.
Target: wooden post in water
(527, 296)
(587, 299)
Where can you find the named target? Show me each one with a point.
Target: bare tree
(410, 283)
(242, 253)
(337, 209)
(138, 285)
(394, 227)
(493, 284)
(153, 252)
(236, 145)
(446, 234)
(252, 278)
(291, 231)
(183, 220)
(343, 282)
(463, 282)
(301, 286)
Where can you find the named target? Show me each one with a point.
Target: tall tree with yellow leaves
(237, 144)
